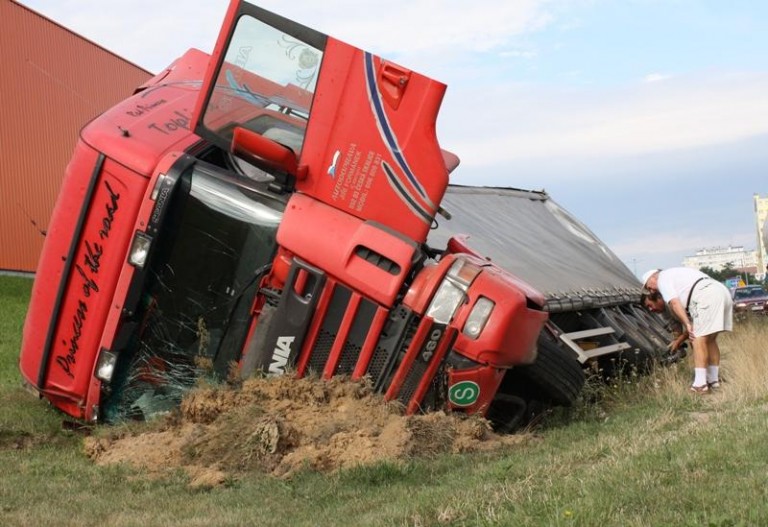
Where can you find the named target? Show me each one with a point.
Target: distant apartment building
(761, 214)
(717, 258)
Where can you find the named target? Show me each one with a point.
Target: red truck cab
(267, 210)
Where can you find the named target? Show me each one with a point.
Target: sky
(646, 119)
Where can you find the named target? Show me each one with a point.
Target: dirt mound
(281, 424)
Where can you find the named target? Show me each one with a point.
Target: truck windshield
(265, 84)
(215, 243)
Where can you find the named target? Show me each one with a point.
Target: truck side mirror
(250, 144)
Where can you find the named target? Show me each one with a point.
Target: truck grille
(397, 349)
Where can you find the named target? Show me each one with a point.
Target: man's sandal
(700, 389)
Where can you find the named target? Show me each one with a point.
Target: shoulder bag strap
(690, 293)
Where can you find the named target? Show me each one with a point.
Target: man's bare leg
(700, 358)
(713, 361)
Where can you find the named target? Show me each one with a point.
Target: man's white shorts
(711, 308)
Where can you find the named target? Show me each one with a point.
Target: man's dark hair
(653, 296)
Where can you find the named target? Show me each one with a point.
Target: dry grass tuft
(744, 365)
(743, 369)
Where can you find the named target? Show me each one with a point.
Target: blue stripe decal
(244, 92)
(386, 129)
(404, 195)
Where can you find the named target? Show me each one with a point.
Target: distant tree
(711, 272)
(728, 271)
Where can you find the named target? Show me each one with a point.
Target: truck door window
(266, 84)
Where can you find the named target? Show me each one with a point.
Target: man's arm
(679, 311)
(678, 341)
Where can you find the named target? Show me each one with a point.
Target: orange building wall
(52, 82)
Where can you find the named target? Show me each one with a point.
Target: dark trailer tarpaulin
(530, 235)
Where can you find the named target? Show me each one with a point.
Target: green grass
(646, 454)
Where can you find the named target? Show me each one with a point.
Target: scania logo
(464, 393)
(280, 355)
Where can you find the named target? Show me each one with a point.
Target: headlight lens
(478, 317)
(139, 249)
(105, 366)
(447, 300)
(452, 291)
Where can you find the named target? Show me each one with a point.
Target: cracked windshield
(217, 243)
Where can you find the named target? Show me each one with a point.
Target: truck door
(343, 125)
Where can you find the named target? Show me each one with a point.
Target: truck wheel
(507, 413)
(556, 373)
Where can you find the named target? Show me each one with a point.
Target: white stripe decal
(387, 134)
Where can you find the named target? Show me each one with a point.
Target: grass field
(646, 453)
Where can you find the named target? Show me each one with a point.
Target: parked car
(750, 299)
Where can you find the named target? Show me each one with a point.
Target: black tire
(642, 319)
(556, 374)
(507, 413)
(642, 353)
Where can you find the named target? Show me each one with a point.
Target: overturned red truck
(267, 209)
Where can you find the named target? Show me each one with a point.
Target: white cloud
(669, 248)
(486, 118)
(659, 243)
(152, 34)
(518, 53)
(414, 26)
(524, 122)
(655, 77)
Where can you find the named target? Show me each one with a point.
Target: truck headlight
(478, 317)
(452, 291)
(139, 249)
(447, 300)
(105, 366)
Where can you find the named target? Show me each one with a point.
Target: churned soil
(278, 425)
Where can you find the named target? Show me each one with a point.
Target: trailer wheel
(653, 323)
(642, 354)
(556, 374)
(642, 319)
(507, 413)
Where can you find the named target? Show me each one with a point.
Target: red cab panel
(371, 148)
(362, 129)
(76, 277)
(92, 226)
(157, 119)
